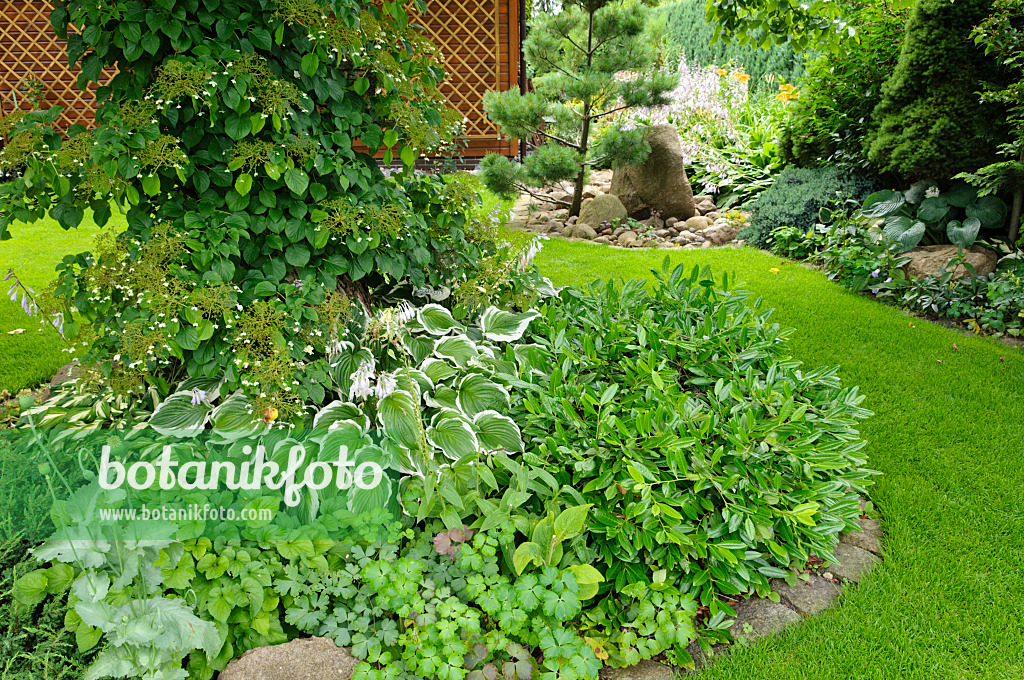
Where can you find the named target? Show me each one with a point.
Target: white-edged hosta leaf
(210, 386)
(420, 382)
(477, 393)
(442, 397)
(359, 500)
(347, 362)
(437, 320)
(453, 434)
(883, 204)
(420, 346)
(438, 370)
(344, 437)
(338, 411)
(502, 326)
(177, 416)
(235, 418)
(399, 415)
(458, 348)
(497, 432)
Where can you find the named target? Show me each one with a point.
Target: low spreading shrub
(798, 196)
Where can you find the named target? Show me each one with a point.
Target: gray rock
(680, 240)
(706, 244)
(696, 223)
(666, 244)
(853, 562)
(705, 207)
(808, 597)
(671, 222)
(571, 220)
(688, 235)
(603, 240)
(569, 230)
(720, 233)
(660, 182)
(700, 198)
(925, 260)
(627, 238)
(661, 233)
(604, 208)
(65, 372)
(645, 670)
(618, 232)
(757, 617)
(714, 214)
(314, 658)
(554, 226)
(584, 230)
(868, 538)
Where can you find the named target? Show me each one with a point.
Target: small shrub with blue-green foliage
(796, 198)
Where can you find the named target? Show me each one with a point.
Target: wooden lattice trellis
(31, 50)
(478, 38)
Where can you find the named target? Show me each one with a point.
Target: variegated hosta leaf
(209, 386)
(346, 436)
(437, 320)
(453, 434)
(345, 363)
(359, 500)
(442, 397)
(399, 415)
(177, 416)
(477, 393)
(502, 326)
(338, 411)
(420, 346)
(497, 432)
(438, 370)
(458, 348)
(235, 418)
(420, 382)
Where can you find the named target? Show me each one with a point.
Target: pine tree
(574, 57)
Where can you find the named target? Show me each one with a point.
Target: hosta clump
(714, 462)
(924, 213)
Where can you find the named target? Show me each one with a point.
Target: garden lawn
(33, 356)
(948, 435)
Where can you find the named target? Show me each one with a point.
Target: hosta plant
(923, 213)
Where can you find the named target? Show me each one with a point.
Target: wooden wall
(478, 38)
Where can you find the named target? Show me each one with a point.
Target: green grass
(33, 253)
(948, 434)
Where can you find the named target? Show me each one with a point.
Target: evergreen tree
(931, 123)
(574, 57)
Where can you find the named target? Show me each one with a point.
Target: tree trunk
(355, 290)
(577, 194)
(1018, 199)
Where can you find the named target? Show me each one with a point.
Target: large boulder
(315, 658)
(929, 260)
(658, 183)
(603, 208)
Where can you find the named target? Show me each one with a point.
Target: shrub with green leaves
(235, 138)
(797, 197)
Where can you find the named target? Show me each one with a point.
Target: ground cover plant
(946, 437)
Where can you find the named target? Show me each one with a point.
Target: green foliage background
(688, 35)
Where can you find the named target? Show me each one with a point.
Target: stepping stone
(868, 538)
(313, 658)
(645, 670)
(808, 597)
(853, 562)
(757, 617)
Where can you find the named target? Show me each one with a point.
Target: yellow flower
(722, 71)
(741, 76)
(774, 270)
(786, 92)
